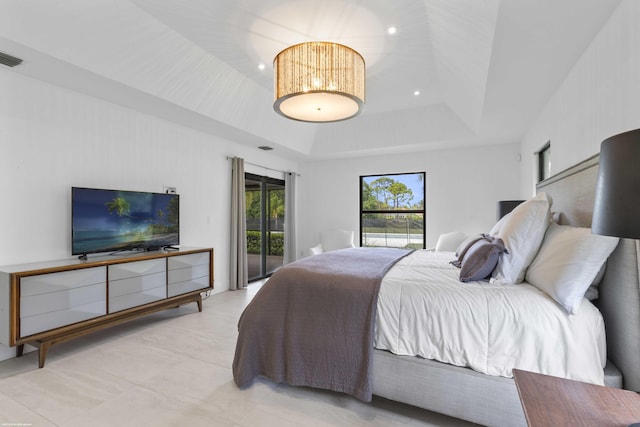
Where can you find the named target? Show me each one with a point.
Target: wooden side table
(552, 401)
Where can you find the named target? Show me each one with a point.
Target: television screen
(113, 220)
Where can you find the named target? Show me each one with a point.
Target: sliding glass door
(264, 197)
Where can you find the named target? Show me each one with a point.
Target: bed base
(458, 392)
(455, 391)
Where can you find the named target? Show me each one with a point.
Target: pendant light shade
(319, 82)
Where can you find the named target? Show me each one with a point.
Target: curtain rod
(264, 167)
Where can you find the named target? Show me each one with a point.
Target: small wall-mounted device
(169, 190)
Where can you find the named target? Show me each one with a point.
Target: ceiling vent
(265, 148)
(9, 60)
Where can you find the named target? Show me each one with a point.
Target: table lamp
(615, 211)
(617, 201)
(506, 206)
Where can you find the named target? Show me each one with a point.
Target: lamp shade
(506, 206)
(319, 82)
(616, 209)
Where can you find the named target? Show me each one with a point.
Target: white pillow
(568, 261)
(522, 231)
(449, 242)
(498, 225)
(332, 240)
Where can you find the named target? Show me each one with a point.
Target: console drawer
(201, 283)
(186, 261)
(56, 319)
(53, 282)
(136, 269)
(186, 274)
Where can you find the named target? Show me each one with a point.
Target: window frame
(390, 211)
(544, 156)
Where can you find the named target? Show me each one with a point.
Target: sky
(410, 180)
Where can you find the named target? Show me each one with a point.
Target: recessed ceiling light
(416, 93)
(391, 30)
(260, 67)
(265, 148)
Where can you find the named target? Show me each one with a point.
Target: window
(392, 210)
(544, 162)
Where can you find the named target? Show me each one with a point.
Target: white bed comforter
(424, 310)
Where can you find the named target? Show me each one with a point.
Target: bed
(469, 388)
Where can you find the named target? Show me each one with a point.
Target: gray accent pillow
(464, 248)
(481, 258)
(593, 291)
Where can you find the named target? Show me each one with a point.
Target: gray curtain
(289, 217)
(238, 271)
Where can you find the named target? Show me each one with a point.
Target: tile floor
(174, 369)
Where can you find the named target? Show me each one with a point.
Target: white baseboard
(7, 352)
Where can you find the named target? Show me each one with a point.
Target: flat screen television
(115, 220)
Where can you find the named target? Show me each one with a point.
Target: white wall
(52, 139)
(462, 186)
(599, 98)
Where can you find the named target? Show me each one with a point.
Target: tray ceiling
(483, 69)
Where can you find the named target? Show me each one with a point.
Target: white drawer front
(192, 285)
(137, 268)
(185, 274)
(185, 261)
(67, 299)
(138, 284)
(55, 319)
(133, 300)
(53, 282)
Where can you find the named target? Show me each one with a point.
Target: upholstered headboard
(573, 193)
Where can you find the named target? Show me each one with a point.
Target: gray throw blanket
(312, 323)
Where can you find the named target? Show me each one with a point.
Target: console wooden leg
(19, 350)
(42, 353)
(199, 302)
